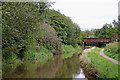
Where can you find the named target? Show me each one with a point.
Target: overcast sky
(88, 14)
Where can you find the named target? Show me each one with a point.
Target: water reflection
(54, 68)
(80, 74)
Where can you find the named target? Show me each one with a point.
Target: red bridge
(96, 40)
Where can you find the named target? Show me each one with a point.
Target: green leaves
(67, 31)
(111, 50)
(106, 32)
(19, 25)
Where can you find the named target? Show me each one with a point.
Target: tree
(67, 31)
(19, 25)
(106, 31)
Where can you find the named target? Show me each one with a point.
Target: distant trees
(89, 33)
(107, 31)
(117, 27)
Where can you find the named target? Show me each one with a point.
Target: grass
(112, 55)
(111, 50)
(104, 67)
(68, 51)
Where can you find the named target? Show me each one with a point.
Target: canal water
(54, 68)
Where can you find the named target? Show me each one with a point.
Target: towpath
(113, 60)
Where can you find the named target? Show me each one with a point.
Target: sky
(88, 14)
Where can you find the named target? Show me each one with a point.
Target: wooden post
(83, 45)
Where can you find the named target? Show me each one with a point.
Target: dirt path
(86, 50)
(113, 60)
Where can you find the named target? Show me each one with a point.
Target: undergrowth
(111, 50)
(68, 51)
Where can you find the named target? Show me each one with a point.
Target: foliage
(107, 31)
(32, 53)
(27, 33)
(117, 27)
(24, 32)
(89, 33)
(111, 50)
(67, 31)
(0, 35)
(100, 44)
(49, 38)
(68, 51)
(104, 67)
(18, 23)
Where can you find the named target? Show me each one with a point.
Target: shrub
(9, 57)
(48, 38)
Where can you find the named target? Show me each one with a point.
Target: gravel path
(113, 60)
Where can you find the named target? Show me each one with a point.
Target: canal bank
(86, 64)
(98, 66)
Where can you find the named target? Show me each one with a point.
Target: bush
(50, 39)
(9, 57)
(112, 47)
(67, 31)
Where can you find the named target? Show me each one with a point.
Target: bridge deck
(97, 40)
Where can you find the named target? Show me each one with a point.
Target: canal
(54, 68)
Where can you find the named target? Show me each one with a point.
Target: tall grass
(104, 67)
(111, 50)
(68, 51)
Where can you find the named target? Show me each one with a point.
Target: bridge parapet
(97, 39)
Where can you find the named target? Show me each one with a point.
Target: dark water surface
(54, 68)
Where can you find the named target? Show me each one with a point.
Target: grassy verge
(68, 51)
(111, 50)
(105, 68)
(112, 55)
